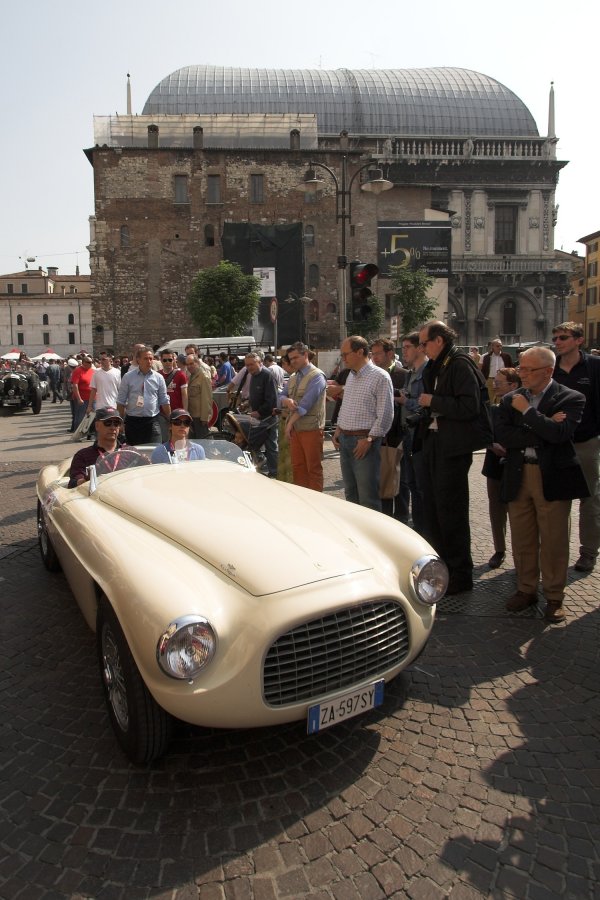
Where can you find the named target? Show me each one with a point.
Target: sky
(63, 62)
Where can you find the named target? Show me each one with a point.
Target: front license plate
(323, 715)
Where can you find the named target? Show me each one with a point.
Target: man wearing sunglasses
(581, 372)
(178, 447)
(108, 425)
(541, 476)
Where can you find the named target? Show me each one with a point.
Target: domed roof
(440, 101)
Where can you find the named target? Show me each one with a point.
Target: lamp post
(343, 212)
(302, 302)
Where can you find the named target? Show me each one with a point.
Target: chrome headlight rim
(418, 577)
(173, 630)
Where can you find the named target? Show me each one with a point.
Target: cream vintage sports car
(230, 600)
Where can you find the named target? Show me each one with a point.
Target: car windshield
(130, 457)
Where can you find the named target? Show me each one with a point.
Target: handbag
(389, 471)
(81, 433)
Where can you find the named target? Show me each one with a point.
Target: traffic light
(360, 279)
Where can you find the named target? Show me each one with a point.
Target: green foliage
(410, 288)
(222, 300)
(370, 327)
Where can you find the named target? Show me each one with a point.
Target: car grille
(335, 652)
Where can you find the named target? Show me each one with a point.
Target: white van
(235, 346)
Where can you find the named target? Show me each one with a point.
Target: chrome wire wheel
(114, 678)
(142, 727)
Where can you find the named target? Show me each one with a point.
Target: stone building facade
(198, 164)
(41, 310)
(585, 298)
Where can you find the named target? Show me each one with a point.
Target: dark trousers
(446, 507)
(142, 430)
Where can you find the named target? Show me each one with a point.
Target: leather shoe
(520, 601)
(458, 586)
(554, 611)
(585, 563)
(496, 560)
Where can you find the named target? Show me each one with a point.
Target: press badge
(140, 401)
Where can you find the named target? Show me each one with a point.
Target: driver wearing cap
(108, 424)
(178, 448)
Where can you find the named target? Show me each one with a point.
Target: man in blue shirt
(142, 396)
(225, 373)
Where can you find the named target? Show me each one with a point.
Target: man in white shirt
(105, 384)
(365, 417)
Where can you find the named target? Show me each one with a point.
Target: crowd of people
(406, 431)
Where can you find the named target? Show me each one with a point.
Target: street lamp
(375, 184)
(302, 302)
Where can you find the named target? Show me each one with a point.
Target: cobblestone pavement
(478, 777)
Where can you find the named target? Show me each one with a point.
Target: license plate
(324, 715)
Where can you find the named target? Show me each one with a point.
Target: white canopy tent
(48, 355)
(11, 355)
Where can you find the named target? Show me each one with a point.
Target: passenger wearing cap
(108, 425)
(178, 448)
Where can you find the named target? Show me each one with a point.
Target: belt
(362, 432)
(530, 461)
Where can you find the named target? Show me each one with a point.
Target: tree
(410, 289)
(222, 300)
(369, 327)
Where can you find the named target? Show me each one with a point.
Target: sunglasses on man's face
(185, 422)
(561, 337)
(110, 423)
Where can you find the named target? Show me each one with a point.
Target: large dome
(441, 101)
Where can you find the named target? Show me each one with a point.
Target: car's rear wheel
(47, 552)
(142, 727)
(36, 403)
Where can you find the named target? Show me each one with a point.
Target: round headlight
(429, 577)
(186, 647)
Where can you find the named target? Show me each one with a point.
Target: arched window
(313, 275)
(124, 235)
(19, 320)
(313, 311)
(331, 308)
(509, 317)
(45, 319)
(71, 319)
(309, 235)
(209, 235)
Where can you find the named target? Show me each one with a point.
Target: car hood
(264, 535)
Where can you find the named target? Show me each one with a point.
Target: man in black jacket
(262, 397)
(581, 372)
(456, 422)
(541, 476)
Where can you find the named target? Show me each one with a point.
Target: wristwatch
(370, 439)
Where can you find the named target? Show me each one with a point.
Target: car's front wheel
(142, 727)
(47, 552)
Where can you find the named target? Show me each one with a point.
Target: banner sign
(267, 281)
(415, 245)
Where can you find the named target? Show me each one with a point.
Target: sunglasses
(561, 337)
(111, 423)
(186, 422)
(167, 359)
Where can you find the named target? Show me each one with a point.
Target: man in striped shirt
(365, 417)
